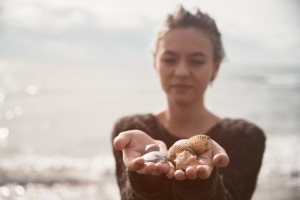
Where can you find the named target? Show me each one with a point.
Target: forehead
(185, 40)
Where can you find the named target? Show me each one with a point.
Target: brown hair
(184, 19)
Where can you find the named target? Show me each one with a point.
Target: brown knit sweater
(244, 143)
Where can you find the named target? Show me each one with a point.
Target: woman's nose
(182, 70)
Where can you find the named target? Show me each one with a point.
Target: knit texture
(244, 143)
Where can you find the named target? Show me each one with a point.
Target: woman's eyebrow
(198, 54)
(168, 52)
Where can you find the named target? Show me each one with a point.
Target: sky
(122, 31)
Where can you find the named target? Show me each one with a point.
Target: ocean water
(56, 119)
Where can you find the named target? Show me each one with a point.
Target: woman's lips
(181, 86)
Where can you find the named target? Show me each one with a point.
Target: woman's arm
(246, 159)
(133, 174)
(203, 181)
(237, 181)
(216, 156)
(132, 143)
(244, 146)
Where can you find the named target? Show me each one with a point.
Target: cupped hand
(216, 156)
(133, 143)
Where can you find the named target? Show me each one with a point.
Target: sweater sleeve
(245, 144)
(206, 189)
(196, 189)
(137, 186)
(245, 148)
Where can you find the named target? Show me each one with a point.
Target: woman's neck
(185, 120)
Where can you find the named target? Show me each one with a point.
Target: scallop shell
(151, 147)
(155, 156)
(199, 143)
(175, 150)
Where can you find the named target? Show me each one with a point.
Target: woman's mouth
(181, 86)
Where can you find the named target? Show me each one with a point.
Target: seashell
(199, 143)
(183, 156)
(184, 160)
(175, 150)
(151, 147)
(155, 156)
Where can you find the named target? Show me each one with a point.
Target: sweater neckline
(167, 132)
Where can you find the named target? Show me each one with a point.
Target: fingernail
(220, 160)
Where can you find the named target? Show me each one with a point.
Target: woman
(187, 58)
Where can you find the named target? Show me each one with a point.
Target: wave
(282, 79)
(55, 169)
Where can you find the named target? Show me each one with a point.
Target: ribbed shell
(199, 143)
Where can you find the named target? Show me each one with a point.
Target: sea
(56, 121)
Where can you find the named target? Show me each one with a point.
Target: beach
(56, 120)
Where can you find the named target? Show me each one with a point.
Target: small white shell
(151, 147)
(155, 156)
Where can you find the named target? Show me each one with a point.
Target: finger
(220, 157)
(191, 173)
(122, 140)
(162, 167)
(179, 175)
(162, 146)
(150, 166)
(221, 160)
(147, 168)
(125, 138)
(180, 142)
(205, 161)
(134, 164)
(158, 169)
(204, 171)
(170, 173)
(142, 170)
(166, 167)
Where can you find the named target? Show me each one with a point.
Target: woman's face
(185, 64)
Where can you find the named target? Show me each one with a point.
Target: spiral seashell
(151, 147)
(175, 150)
(199, 143)
(184, 160)
(155, 156)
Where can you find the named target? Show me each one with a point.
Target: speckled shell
(151, 147)
(176, 149)
(199, 143)
(155, 156)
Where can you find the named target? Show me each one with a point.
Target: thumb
(220, 157)
(122, 140)
(221, 160)
(134, 164)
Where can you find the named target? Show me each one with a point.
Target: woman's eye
(169, 60)
(196, 62)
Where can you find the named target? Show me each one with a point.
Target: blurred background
(69, 69)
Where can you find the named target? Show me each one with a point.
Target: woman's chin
(184, 100)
